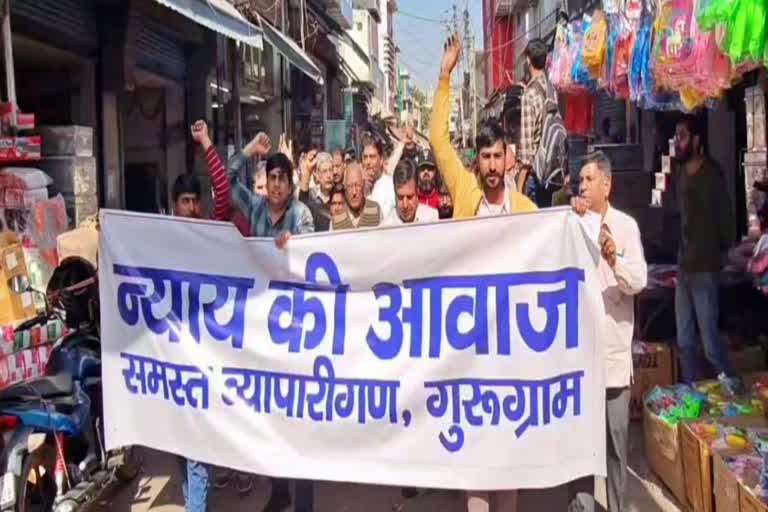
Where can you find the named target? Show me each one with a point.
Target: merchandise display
(707, 398)
(678, 55)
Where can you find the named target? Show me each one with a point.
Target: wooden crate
(726, 486)
(663, 454)
(697, 461)
(648, 371)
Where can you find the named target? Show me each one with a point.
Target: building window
(359, 26)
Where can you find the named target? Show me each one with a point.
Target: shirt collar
(506, 207)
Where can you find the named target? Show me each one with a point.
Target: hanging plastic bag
(640, 54)
(673, 46)
(595, 41)
(746, 34)
(580, 75)
(614, 32)
(558, 58)
(622, 59)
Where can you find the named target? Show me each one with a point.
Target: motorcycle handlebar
(40, 319)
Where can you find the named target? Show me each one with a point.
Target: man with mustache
(408, 209)
(360, 212)
(444, 202)
(707, 230)
(486, 194)
(378, 184)
(473, 195)
(426, 178)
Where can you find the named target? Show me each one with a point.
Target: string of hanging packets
(664, 55)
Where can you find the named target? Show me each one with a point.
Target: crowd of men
(331, 191)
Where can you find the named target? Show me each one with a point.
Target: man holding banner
(473, 196)
(623, 274)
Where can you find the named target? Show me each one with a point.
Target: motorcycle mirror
(35, 441)
(18, 284)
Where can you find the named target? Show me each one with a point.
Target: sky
(421, 41)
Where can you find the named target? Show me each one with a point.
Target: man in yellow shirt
(486, 193)
(474, 195)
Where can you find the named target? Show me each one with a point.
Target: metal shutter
(49, 20)
(159, 50)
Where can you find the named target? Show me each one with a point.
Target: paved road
(158, 490)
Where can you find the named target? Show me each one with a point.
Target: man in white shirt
(408, 210)
(623, 273)
(378, 185)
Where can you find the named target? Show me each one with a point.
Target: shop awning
(288, 48)
(219, 16)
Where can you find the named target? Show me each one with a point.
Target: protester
(378, 185)
(706, 234)
(360, 212)
(319, 166)
(623, 273)
(410, 146)
(482, 195)
(405, 148)
(194, 475)
(537, 91)
(278, 214)
(187, 194)
(426, 178)
(444, 202)
(216, 173)
(337, 203)
(338, 167)
(472, 196)
(408, 209)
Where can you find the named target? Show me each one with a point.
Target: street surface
(158, 489)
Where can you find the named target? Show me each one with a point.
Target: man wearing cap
(408, 209)
(426, 178)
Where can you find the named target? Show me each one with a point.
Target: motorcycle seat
(46, 387)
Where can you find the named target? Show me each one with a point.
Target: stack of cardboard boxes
(68, 159)
(14, 307)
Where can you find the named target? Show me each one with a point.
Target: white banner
(455, 355)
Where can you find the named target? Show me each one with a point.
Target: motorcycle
(53, 452)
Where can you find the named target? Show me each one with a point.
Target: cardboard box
(67, 140)
(697, 461)
(72, 175)
(651, 369)
(13, 307)
(726, 486)
(663, 454)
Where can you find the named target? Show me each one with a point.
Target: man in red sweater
(216, 173)
(187, 203)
